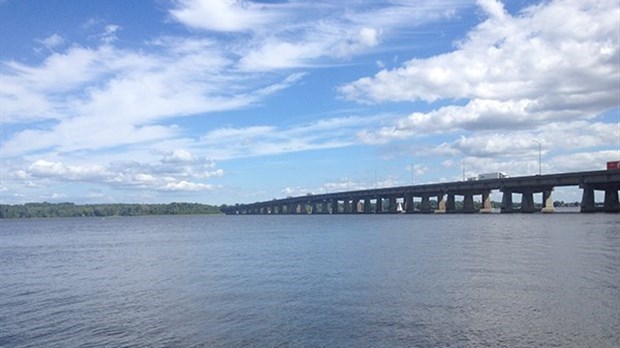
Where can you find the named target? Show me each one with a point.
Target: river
(311, 281)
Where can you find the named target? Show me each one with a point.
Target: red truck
(613, 165)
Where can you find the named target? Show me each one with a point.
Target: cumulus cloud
(47, 169)
(547, 63)
(178, 170)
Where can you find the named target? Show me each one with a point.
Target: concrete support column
(507, 202)
(335, 206)
(468, 203)
(587, 199)
(379, 205)
(487, 206)
(450, 203)
(409, 207)
(367, 206)
(441, 204)
(425, 205)
(346, 206)
(527, 202)
(393, 204)
(324, 207)
(611, 204)
(355, 206)
(292, 208)
(547, 202)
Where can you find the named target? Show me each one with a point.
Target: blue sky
(223, 101)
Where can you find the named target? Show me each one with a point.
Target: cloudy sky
(224, 101)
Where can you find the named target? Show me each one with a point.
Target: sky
(234, 101)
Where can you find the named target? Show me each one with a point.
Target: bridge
(402, 199)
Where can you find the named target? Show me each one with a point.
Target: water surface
(311, 281)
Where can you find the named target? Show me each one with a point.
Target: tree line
(46, 210)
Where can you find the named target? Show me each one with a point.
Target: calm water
(311, 281)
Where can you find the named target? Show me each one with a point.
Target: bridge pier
(527, 201)
(425, 204)
(507, 206)
(487, 205)
(451, 203)
(379, 205)
(468, 203)
(367, 206)
(335, 206)
(409, 207)
(392, 204)
(346, 206)
(610, 203)
(441, 204)
(355, 205)
(547, 202)
(324, 206)
(587, 199)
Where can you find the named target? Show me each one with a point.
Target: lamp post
(539, 156)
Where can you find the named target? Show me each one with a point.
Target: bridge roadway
(402, 198)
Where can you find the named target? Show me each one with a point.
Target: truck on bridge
(488, 176)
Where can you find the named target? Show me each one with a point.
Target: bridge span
(417, 198)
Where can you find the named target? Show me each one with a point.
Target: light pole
(539, 156)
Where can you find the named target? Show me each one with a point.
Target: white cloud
(226, 15)
(107, 96)
(226, 143)
(58, 170)
(178, 156)
(109, 33)
(321, 32)
(185, 186)
(53, 41)
(539, 57)
(548, 63)
(178, 170)
(553, 137)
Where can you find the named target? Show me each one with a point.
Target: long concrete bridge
(417, 198)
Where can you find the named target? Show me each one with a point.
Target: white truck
(488, 176)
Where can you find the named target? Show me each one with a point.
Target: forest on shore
(47, 210)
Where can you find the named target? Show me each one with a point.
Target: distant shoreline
(51, 210)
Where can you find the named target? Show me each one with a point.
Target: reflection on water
(424, 280)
